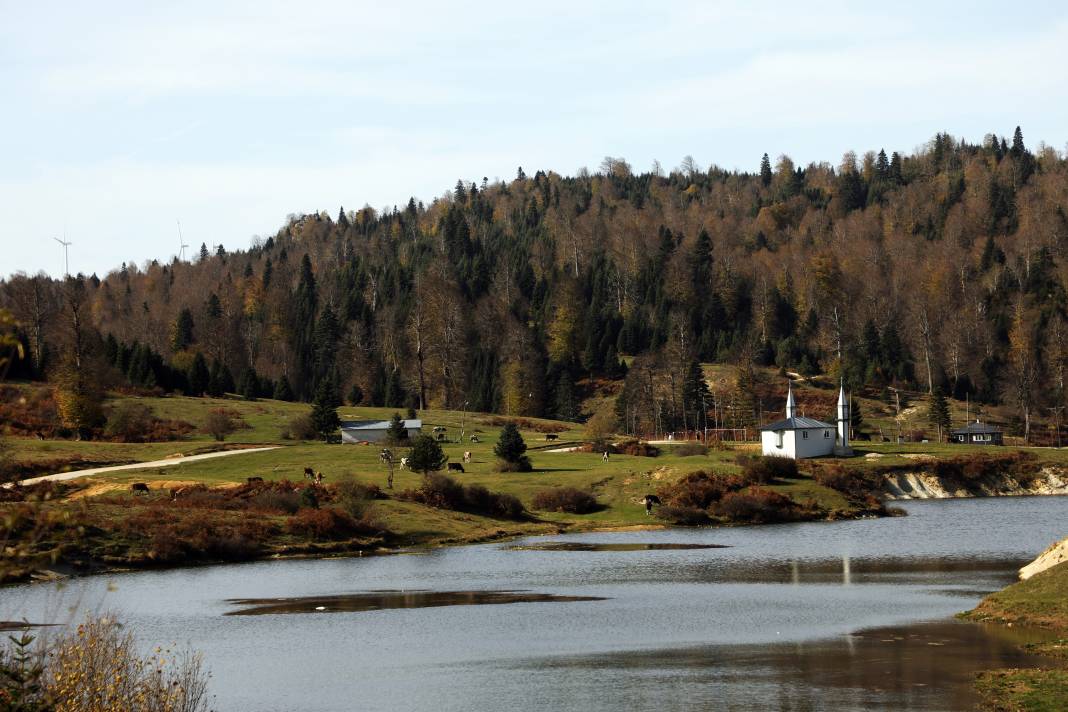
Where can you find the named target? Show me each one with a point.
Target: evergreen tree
(566, 405)
(182, 335)
(511, 449)
(304, 305)
(204, 254)
(856, 417)
(250, 384)
(896, 176)
(426, 455)
(355, 395)
(282, 390)
(216, 387)
(938, 412)
(1018, 149)
(695, 393)
(396, 433)
(199, 376)
(324, 408)
(765, 170)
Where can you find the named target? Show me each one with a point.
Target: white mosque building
(799, 437)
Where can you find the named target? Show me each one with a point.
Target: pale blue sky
(120, 118)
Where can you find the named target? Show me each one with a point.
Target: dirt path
(75, 474)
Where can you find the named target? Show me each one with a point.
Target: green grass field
(1040, 601)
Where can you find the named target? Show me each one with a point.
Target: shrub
(325, 523)
(525, 424)
(443, 492)
(129, 422)
(99, 667)
(763, 470)
(221, 422)
(275, 501)
(510, 446)
(354, 498)
(309, 498)
(565, 499)
(690, 449)
(637, 448)
(756, 505)
(396, 433)
(300, 427)
(699, 490)
(684, 516)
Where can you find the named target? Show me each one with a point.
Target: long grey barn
(372, 431)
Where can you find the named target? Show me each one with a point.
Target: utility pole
(66, 261)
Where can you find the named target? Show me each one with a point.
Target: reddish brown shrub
(323, 523)
(699, 489)
(525, 424)
(637, 448)
(565, 499)
(756, 505)
(683, 516)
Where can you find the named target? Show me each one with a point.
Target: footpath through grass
(1040, 601)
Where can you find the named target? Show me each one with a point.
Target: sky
(120, 119)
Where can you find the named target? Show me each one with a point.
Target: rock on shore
(1055, 554)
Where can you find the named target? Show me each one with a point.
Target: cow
(309, 473)
(455, 467)
(404, 463)
(139, 488)
(474, 439)
(649, 500)
(467, 456)
(604, 457)
(386, 456)
(551, 436)
(254, 480)
(319, 478)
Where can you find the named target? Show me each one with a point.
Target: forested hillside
(941, 269)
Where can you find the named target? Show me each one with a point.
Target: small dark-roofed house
(977, 433)
(371, 431)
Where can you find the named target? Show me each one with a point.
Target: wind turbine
(66, 260)
(181, 243)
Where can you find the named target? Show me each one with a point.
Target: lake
(813, 616)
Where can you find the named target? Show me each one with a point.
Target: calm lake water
(839, 615)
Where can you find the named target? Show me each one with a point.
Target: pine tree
(199, 376)
(182, 334)
(396, 433)
(324, 408)
(511, 449)
(1018, 149)
(250, 384)
(426, 455)
(216, 387)
(938, 412)
(204, 254)
(765, 170)
(566, 405)
(856, 417)
(282, 390)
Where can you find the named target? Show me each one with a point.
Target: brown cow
(254, 480)
(467, 456)
(551, 436)
(309, 473)
(455, 467)
(139, 488)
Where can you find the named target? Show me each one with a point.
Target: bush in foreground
(98, 667)
(756, 505)
(565, 499)
(690, 449)
(683, 516)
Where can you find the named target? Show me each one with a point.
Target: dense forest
(944, 269)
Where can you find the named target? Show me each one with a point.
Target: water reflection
(919, 667)
(384, 600)
(629, 546)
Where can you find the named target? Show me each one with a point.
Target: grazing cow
(467, 456)
(386, 456)
(139, 488)
(254, 480)
(319, 478)
(455, 467)
(474, 438)
(551, 436)
(309, 473)
(649, 500)
(604, 457)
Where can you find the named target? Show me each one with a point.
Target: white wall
(795, 445)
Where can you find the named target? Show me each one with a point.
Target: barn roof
(977, 428)
(797, 423)
(378, 424)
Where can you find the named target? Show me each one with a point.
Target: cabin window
(960, 438)
(804, 434)
(778, 438)
(982, 438)
(826, 433)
